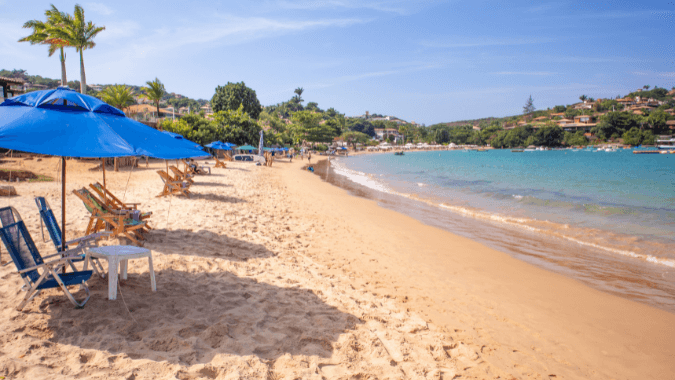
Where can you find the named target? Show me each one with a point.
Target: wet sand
(271, 273)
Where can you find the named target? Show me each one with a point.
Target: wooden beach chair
(173, 187)
(101, 219)
(179, 175)
(78, 253)
(36, 273)
(220, 164)
(114, 203)
(193, 169)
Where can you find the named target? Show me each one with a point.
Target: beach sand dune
(238, 296)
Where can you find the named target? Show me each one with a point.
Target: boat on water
(529, 150)
(517, 150)
(667, 144)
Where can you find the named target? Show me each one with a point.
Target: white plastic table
(119, 255)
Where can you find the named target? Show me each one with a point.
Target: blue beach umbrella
(63, 122)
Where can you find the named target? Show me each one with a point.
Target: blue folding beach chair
(29, 264)
(77, 254)
(8, 215)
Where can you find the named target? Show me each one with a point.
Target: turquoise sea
(605, 218)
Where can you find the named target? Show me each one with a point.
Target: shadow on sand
(195, 315)
(204, 244)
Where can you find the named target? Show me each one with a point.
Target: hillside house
(382, 132)
(9, 87)
(670, 124)
(583, 106)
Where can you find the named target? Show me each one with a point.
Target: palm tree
(118, 95)
(43, 34)
(646, 87)
(80, 35)
(299, 91)
(155, 92)
(583, 98)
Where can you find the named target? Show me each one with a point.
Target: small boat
(481, 150)
(529, 150)
(399, 153)
(517, 150)
(666, 144)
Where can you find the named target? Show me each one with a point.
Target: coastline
(269, 272)
(546, 319)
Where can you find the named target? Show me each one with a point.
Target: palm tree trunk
(64, 80)
(83, 78)
(159, 125)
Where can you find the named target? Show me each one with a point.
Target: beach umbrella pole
(63, 204)
(104, 186)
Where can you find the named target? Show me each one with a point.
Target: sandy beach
(270, 273)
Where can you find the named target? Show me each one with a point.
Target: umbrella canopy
(65, 123)
(246, 147)
(62, 122)
(219, 145)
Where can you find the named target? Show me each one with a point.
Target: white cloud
(99, 8)
(459, 42)
(540, 8)
(389, 6)
(532, 73)
(234, 30)
(116, 30)
(658, 74)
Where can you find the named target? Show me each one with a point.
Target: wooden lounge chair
(220, 164)
(173, 187)
(192, 169)
(116, 204)
(180, 175)
(76, 254)
(118, 223)
(29, 263)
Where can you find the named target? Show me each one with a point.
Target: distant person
(309, 157)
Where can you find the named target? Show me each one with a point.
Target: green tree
(529, 106)
(80, 34)
(576, 138)
(118, 95)
(583, 98)
(646, 87)
(233, 95)
(632, 137)
(44, 34)
(298, 92)
(658, 119)
(154, 92)
(308, 127)
(648, 138)
(354, 138)
(237, 126)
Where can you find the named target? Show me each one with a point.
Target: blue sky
(429, 61)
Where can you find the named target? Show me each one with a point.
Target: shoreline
(545, 315)
(269, 272)
(607, 261)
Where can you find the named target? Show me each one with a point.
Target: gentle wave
(361, 178)
(368, 181)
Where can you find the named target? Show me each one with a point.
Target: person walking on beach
(309, 157)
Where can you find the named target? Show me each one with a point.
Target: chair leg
(30, 294)
(70, 295)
